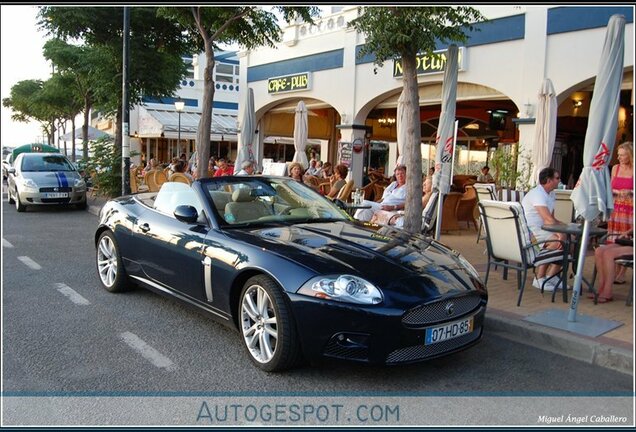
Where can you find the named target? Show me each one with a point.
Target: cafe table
(572, 233)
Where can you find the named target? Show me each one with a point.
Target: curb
(563, 343)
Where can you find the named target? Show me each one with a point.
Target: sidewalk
(613, 350)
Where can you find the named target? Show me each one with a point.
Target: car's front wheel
(11, 200)
(267, 326)
(109, 264)
(18, 204)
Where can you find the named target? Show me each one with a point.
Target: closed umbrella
(246, 137)
(545, 129)
(445, 133)
(401, 130)
(301, 130)
(592, 194)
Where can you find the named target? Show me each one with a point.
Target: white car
(45, 179)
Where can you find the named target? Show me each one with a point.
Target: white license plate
(56, 195)
(448, 331)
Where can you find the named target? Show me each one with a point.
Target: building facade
(352, 102)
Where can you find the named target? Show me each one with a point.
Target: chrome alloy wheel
(260, 327)
(107, 261)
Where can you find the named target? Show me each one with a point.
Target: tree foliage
(248, 26)
(76, 62)
(156, 49)
(403, 32)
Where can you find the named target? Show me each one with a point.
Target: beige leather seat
(244, 207)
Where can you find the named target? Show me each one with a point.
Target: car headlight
(80, 183)
(27, 183)
(343, 288)
(468, 266)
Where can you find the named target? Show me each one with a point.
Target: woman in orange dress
(622, 217)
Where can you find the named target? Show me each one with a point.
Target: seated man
(393, 197)
(485, 176)
(538, 207)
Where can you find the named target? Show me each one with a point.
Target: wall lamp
(577, 103)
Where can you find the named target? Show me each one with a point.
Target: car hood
(388, 257)
(52, 178)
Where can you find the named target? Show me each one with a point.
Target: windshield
(266, 200)
(34, 162)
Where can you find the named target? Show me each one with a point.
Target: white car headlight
(80, 183)
(27, 183)
(343, 288)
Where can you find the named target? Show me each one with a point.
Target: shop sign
(289, 83)
(344, 153)
(430, 64)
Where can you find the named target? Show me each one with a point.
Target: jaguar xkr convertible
(292, 272)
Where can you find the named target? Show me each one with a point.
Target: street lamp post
(179, 105)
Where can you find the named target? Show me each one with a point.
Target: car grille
(56, 189)
(333, 349)
(420, 352)
(438, 311)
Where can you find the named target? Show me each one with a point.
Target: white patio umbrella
(592, 194)
(245, 150)
(545, 129)
(401, 130)
(444, 141)
(93, 134)
(301, 129)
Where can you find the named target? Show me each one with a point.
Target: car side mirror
(186, 213)
(11, 170)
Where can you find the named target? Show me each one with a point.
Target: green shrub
(105, 167)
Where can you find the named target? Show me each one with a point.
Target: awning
(155, 123)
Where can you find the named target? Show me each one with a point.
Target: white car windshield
(260, 200)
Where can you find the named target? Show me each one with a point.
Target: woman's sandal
(619, 282)
(605, 299)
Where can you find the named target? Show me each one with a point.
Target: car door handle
(144, 227)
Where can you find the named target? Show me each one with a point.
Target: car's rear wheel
(18, 204)
(267, 326)
(109, 264)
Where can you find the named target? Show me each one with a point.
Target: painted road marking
(6, 244)
(71, 294)
(30, 263)
(147, 352)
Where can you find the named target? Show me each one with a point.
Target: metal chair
(485, 191)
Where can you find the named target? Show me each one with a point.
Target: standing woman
(622, 180)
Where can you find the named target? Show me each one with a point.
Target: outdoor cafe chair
(509, 242)
(485, 191)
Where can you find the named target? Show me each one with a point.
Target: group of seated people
(335, 177)
(538, 205)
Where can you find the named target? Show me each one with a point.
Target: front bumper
(44, 198)
(379, 335)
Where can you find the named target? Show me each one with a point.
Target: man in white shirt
(393, 197)
(247, 168)
(313, 168)
(538, 207)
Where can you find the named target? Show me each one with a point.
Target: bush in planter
(105, 167)
(504, 162)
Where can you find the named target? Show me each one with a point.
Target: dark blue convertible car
(292, 272)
